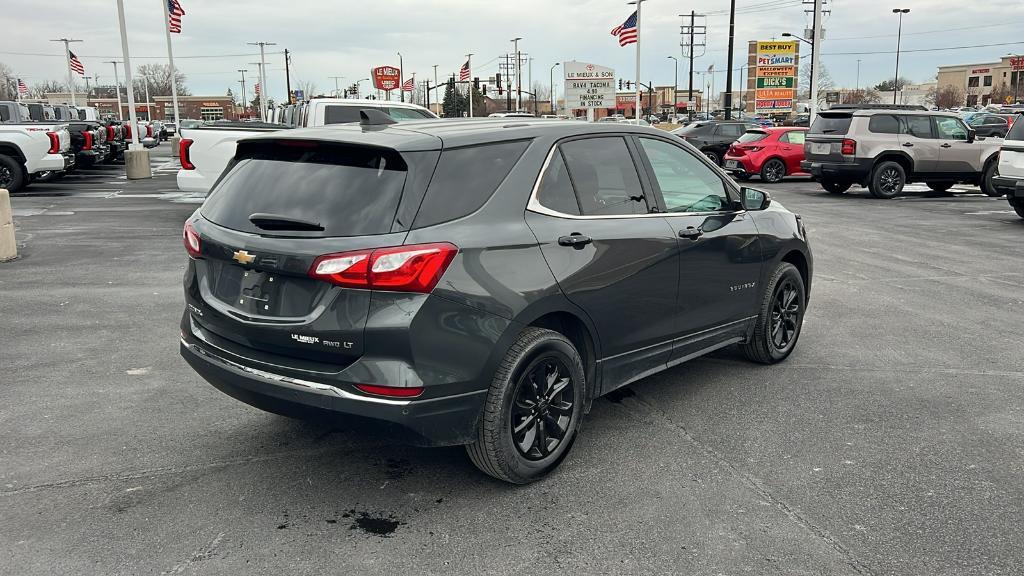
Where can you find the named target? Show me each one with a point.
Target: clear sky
(347, 37)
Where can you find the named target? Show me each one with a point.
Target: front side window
(951, 129)
(686, 183)
(916, 126)
(604, 177)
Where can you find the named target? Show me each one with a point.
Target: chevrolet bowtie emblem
(243, 257)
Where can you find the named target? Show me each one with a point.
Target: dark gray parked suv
(479, 282)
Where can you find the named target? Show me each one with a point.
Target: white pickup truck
(205, 152)
(28, 148)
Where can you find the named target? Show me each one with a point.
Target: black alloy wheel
(888, 180)
(773, 171)
(786, 314)
(543, 408)
(12, 177)
(6, 177)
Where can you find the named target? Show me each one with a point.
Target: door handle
(691, 233)
(947, 146)
(576, 240)
(908, 144)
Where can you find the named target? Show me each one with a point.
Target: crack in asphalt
(757, 487)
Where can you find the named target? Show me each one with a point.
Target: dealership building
(195, 107)
(980, 82)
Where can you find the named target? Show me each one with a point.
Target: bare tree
(308, 88)
(39, 89)
(825, 82)
(863, 96)
(8, 83)
(948, 97)
(1002, 94)
(159, 78)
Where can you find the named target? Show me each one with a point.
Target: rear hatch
(280, 206)
(1011, 155)
(824, 142)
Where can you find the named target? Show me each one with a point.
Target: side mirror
(972, 135)
(755, 199)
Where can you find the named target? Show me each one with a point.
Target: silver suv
(884, 149)
(1010, 179)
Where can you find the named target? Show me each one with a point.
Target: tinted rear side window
(342, 114)
(884, 124)
(831, 124)
(556, 190)
(1017, 131)
(348, 190)
(465, 178)
(694, 129)
(5, 114)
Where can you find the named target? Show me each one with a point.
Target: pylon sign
(776, 76)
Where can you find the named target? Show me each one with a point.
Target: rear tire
(987, 185)
(533, 410)
(12, 175)
(773, 171)
(834, 187)
(780, 318)
(887, 180)
(713, 157)
(940, 186)
(1018, 207)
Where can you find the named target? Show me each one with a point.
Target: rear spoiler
(851, 107)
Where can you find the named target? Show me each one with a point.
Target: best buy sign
(779, 82)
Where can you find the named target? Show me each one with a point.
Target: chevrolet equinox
(479, 282)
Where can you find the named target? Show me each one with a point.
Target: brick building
(194, 107)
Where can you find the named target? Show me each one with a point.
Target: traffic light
(620, 83)
(484, 90)
(476, 84)
(497, 80)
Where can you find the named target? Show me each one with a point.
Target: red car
(770, 153)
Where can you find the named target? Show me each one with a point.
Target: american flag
(464, 72)
(75, 63)
(22, 88)
(174, 14)
(626, 31)
(407, 86)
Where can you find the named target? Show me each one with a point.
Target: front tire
(773, 171)
(987, 185)
(533, 410)
(887, 180)
(780, 318)
(713, 157)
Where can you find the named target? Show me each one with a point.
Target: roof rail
(879, 107)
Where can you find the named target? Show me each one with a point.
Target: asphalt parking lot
(889, 443)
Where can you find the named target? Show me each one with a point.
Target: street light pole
(551, 87)
(245, 103)
(858, 75)
(675, 89)
(117, 90)
(336, 88)
(899, 38)
(263, 76)
(519, 84)
(728, 77)
(401, 79)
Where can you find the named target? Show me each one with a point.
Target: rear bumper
(440, 421)
(744, 164)
(857, 171)
(1010, 186)
(55, 163)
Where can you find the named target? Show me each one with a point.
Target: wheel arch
(901, 158)
(799, 261)
(12, 151)
(579, 332)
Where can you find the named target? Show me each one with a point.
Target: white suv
(1011, 166)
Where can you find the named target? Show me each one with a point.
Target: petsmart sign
(776, 76)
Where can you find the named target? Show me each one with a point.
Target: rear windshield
(346, 190)
(695, 128)
(831, 124)
(406, 113)
(752, 136)
(1017, 131)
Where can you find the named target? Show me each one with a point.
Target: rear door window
(345, 190)
(730, 130)
(555, 191)
(465, 178)
(604, 177)
(838, 124)
(5, 113)
(884, 124)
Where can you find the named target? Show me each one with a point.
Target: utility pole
(519, 84)
(728, 77)
(689, 49)
(401, 79)
(263, 76)
(245, 103)
(529, 77)
(336, 88)
(67, 58)
(287, 75)
(815, 58)
(858, 75)
(117, 90)
(675, 88)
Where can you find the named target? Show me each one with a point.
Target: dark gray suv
(479, 282)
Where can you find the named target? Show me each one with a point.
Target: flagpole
(174, 81)
(469, 66)
(67, 54)
(638, 107)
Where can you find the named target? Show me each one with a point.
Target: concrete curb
(8, 248)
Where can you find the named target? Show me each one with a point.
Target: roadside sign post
(775, 77)
(588, 86)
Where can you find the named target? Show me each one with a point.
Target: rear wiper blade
(279, 222)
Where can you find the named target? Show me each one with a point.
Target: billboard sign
(775, 76)
(588, 85)
(1017, 63)
(386, 78)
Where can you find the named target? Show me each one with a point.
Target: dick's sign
(776, 76)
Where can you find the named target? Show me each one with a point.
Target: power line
(164, 57)
(922, 49)
(923, 32)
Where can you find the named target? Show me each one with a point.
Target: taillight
(191, 239)
(149, 131)
(849, 147)
(54, 143)
(111, 133)
(392, 391)
(127, 131)
(415, 268)
(186, 161)
(88, 140)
